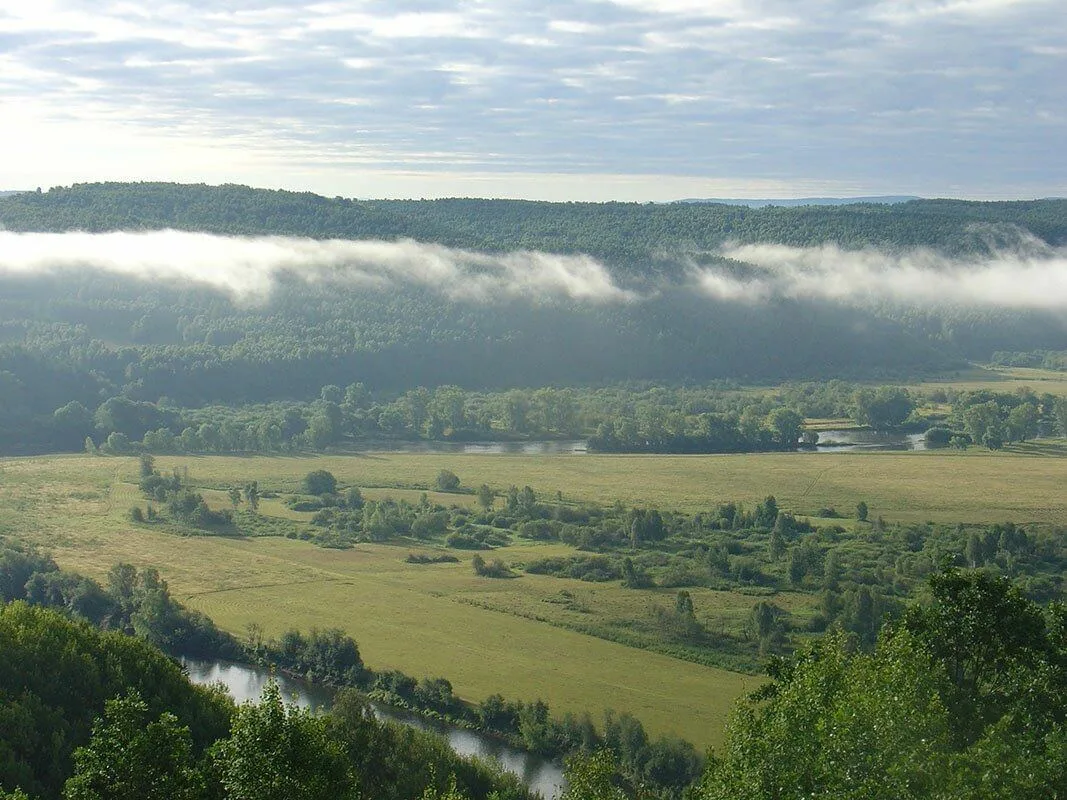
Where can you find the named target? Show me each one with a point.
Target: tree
(785, 424)
(147, 465)
(319, 482)
(485, 497)
(882, 408)
(1022, 422)
(235, 497)
(1059, 410)
(593, 776)
(861, 511)
(683, 605)
(131, 757)
(767, 512)
(279, 752)
(252, 496)
(980, 419)
(447, 481)
(966, 697)
(834, 723)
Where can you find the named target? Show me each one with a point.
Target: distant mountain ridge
(886, 199)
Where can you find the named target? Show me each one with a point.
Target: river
(834, 441)
(845, 441)
(246, 683)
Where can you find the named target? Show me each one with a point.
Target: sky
(646, 100)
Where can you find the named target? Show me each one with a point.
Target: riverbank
(245, 683)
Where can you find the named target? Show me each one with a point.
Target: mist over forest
(231, 295)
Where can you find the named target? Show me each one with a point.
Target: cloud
(248, 267)
(933, 97)
(1027, 275)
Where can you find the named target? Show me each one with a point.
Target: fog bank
(247, 267)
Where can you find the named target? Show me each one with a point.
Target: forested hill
(624, 234)
(482, 294)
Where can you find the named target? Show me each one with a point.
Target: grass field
(506, 636)
(1000, 379)
(1023, 483)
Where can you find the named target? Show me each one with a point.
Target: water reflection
(246, 683)
(537, 448)
(832, 441)
(844, 441)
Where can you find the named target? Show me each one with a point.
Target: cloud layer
(1027, 274)
(1030, 276)
(367, 97)
(247, 267)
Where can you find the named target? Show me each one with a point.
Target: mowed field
(505, 636)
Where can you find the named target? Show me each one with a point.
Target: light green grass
(1000, 379)
(1023, 483)
(483, 635)
(503, 636)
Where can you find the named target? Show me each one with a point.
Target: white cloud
(1029, 275)
(794, 92)
(247, 267)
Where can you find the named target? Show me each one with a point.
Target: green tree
(593, 776)
(882, 408)
(447, 481)
(319, 482)
(485, 496)
(252, 496)
(862, 511)
(835, 723)
(131, 757)
(280, 752)
(1059, 410)
(1022, 422)
(785, 424)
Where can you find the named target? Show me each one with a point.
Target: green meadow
(522, 638)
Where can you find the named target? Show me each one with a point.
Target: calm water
(851, 441)
(546, 448)
(246, 683)
(844, 441)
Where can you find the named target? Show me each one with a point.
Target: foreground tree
(965, 698)
(280, 752)
(132, 757)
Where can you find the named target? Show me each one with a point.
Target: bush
(447, 481)
(495, 569)
(938, 436)
(319, 482)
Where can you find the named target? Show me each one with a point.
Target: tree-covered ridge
(626, 234)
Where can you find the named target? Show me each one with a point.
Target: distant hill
(90, 334)
(888, 199)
